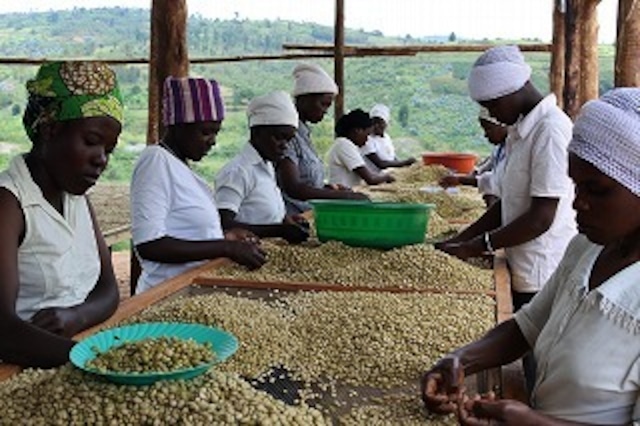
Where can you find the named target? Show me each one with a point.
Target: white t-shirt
(536, 166)
(586, 343)
(169, 200)
(344, 157)
(58, 260)
(381, 145)
(247, 186)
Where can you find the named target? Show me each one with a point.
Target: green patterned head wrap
(69, 90)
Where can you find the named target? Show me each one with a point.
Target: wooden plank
(338, 59)
(627, 62)
(504, 304)
(431, 48)
(117, 235)
(556, 73)
(206, 281)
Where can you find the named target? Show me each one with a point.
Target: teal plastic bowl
(371, 224)
(224, 345)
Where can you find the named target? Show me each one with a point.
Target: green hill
(427, 93)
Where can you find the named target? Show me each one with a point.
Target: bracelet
(487, 243)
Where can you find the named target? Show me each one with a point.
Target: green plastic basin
(371, 224)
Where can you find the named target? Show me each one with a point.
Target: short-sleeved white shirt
(169, 200)
(586, 343)
(537, 166)
(381, 145)
(247, 186)
(344, 157)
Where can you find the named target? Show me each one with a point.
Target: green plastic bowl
(371, 224)
(224, 345)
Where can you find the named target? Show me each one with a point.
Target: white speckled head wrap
(380, 111)
(272, 109)
(498, 72)
(485, 115)
(607, 135)
(311, 79)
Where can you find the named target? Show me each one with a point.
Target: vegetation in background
(427, 93)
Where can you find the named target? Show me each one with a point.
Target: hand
(409, 161)
(487, 411)
(462, 250)
(337, 187)
(239, 234)
(61, 321)
(389, 178)
(294, 233)
(246, 253)
(449, 181)
(297, 219)
(442, 385)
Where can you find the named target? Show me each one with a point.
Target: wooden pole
(571, 90)
(627, 68)
(589, 64)
(339, 58)
(556, 73)
(168, 55)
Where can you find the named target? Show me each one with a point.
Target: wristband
(487, 243)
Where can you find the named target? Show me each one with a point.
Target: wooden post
(556, 74)
(168, 55)
(627, 71)
(339, 58)
(589, 66)
(571, 90)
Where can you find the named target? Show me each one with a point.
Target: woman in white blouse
(583, 325)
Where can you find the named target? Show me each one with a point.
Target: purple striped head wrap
(191, 100)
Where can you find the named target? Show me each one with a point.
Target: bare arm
(383, 164)
(289, 178)
(290, 231)
(21, 342)
(371, 177)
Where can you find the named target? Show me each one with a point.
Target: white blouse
(586, 343)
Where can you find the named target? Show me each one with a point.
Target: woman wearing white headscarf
(301, 171)
(379, 149)
(583, 325)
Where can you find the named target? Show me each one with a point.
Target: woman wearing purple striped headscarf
(175, 222)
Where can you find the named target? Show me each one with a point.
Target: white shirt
(169, 200)
(58, 260)
(344, 157)
(247, 186)
(586, 343)
(536, 166)
(381, 145)
(489, 181)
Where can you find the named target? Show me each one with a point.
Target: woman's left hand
(61, 321)
(488, 411)
(462, 250)
(239, 234)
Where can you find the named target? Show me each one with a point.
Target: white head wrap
(380, 111)
(485, 115)
(498, 72)
(607, 135)
(310, 78)
(273, 109)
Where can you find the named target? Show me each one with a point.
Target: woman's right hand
(246, 253)
(442, 386)
(449, 181)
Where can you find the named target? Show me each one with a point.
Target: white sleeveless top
(58, 260)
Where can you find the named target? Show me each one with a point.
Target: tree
(403, 115)
(15, 110)
(452, 37)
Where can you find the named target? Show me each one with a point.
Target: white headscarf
(273, 109)
(607, 135)
(310, 78)
(498, 72)
(380, 111)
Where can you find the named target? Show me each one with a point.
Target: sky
(466, 18)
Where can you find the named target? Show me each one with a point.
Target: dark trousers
(528, 362)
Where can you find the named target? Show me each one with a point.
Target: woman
(583, 325)
(487, 178)
(379, 147)
(247, 193)
(301, 171)
(56, 277)
(175, 222)
(346, 164)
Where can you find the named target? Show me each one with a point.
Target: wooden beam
(556, 72)
(571, 90)
(589, 63)
(169, 55)
(338, 60)
(627, 62)
(431, 48)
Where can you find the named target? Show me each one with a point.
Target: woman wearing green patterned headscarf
(56, 277)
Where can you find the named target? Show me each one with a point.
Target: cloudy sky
(467, 18)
